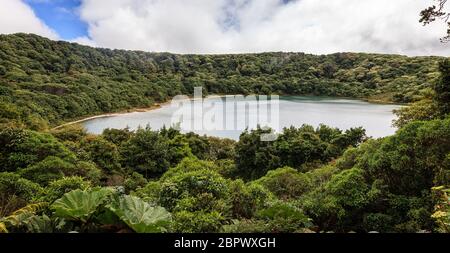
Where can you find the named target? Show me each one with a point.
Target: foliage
(149, 192)
(336, 203)
(442, 209)
(197, 197)
(147, 153)
(309, 179)
(253, 156)
(58, 188)
(21, 148)
(284, 218)
(80, 205)
(16, 192)
(442, 88)
(434, 12)
(139, 215)
(189, 164)
(13, 184)
(54, 168)
(102, 152)
(390, 181)
(348, 189)
(3, 228)
(246, 226)
(425, 109)
(134, 181)
(199, 221)
(381, 185)
(44, 82)
(117, 136)
(286, 183)
(247, 199)
(434, 103)
(295, 147)
(72, 132)
(51, 168)
(198, 184)
(22, 217)
(89, 210)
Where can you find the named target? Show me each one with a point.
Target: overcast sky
(231, 26)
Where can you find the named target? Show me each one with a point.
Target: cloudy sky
(231, 26)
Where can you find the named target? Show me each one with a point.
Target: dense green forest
(43, 82)
(308, 180)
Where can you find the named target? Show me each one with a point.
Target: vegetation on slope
(43, 82)
(309, 179)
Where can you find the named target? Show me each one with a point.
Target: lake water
(288, 111)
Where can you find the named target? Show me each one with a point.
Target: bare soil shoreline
(106, 115)
(112, 114)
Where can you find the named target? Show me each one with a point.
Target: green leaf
(80, 205)
(39, 224)
(3, 228)
(19, 217)
(140, 216)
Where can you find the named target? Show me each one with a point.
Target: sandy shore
(105, 115)
(153, 107)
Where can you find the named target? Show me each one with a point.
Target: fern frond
(3, 229)
(19, 216)
(31, 208)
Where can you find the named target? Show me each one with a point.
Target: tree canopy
(310, 179)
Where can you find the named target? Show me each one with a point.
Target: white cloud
(84, 41)
(240, 26)
(16, 16)
(233, 26)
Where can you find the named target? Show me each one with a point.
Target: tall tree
(437, 12)
(442, 88)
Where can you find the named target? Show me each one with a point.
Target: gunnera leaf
(80, 205)
(140, 216)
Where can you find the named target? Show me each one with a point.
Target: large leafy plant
(80, 205)
(92, 206)
(139, 215)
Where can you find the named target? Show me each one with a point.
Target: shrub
(54, 168)
(58, 188)
(189, 164)
(196, 222)
(24, 148)
(50, 169)
(103, 153)
(147, 153)
(283, 217)
(16, 192)
(247, 199)
(72, 133)
(192, 184)
(286, 183)
(134, 181)
(149, 192)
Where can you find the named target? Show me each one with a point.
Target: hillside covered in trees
(44, 82)
(308, 180)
